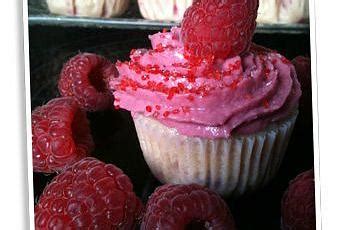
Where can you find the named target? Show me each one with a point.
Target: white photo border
(314, 28)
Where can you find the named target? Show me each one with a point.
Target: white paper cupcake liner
(169, 10)
(89, 8)
(115, 8)
(230, 166)
(278, 11)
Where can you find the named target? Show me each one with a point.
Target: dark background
(114, 133)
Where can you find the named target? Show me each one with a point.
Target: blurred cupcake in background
(166, 10)
(283, 11)
(89, 8)
(270, 11)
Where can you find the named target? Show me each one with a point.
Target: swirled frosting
(203, 96)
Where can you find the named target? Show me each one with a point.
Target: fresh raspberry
(258, 49)
(88, 195)
(219, 28)
(303, 71)
(186, 207)
(60, 135)
(298, 204)
(85, 77)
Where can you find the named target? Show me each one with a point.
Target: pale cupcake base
(168, 10)
(88, 8)
(230, 166)
(274, 11)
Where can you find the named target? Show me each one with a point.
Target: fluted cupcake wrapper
(89, 8)
(273, 11)
(172, 10)
(230, 166)
(115, 8)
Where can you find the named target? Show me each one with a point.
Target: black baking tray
(114, 132)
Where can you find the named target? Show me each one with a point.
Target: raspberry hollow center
(96, 80)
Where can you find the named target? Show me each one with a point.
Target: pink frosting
(206, 97)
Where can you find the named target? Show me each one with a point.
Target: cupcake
(88, 8)
(168, 10)
(212, 110)
(283, 11)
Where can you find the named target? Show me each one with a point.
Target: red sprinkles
(187, 88)
(266, 104)
(166, 114)
(148, 108)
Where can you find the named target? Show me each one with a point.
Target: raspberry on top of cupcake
(204, 79)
